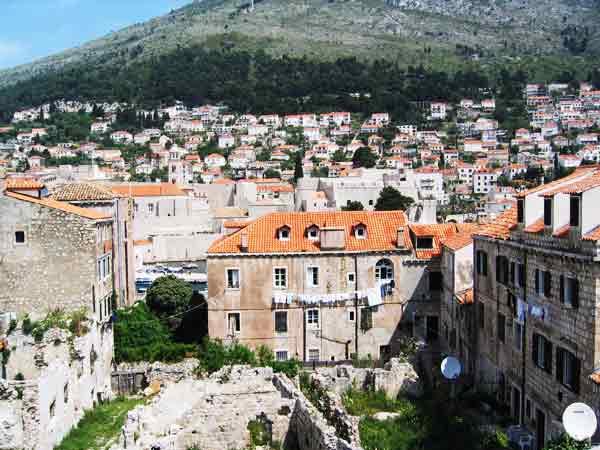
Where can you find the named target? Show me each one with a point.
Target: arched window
(384, 270)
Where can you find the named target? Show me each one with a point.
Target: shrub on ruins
(214, 355)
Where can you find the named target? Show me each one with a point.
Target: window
(313, 354)
(569, 291)
(521, 210)
(284, 234)
(521, 275)
(481, 315)
(568, 369)
(150, 208)
(19, 237)
(482, 263)
(518, 335)
(313, 233)
(281, 355)
(52, 409)
(312, 276)
(542, 352)
(312, 317)
(281, 321)
(384, 270)
(574, 211)
(233, 323)
(233, 278)
(104, 267)
(501, 328)
(351, 277)
(435, 281)
(371, 202)
(366, 319)
(502, 269)
(548, 212)
(351, 316)
(528, 409)
(424, 243)
(543, 283)
(280, 277)
(66, 393)
(360, 232)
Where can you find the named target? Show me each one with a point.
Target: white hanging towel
(374, 297)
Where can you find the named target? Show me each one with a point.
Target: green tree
(169, 296)
(364, 157)
(353, 205)
(298, 169)
(390, 199)
(339, 155)
(271, 173)
(566, 443)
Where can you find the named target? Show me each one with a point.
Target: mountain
(443, 33)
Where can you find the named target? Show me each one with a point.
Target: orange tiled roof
(438, 232)
(82, 192)
(235, 224)
(579, 172)
(562, 231)
(23, 184)
(382, 228)
(593, 235)
(280, 188)
(595, 377)
(86, 213)
(458, 241)
(577, 187)
(535, 227)
(465, 297)
(142, 242)
(147, 190)
(501, 227)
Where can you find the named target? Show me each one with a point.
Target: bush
(214, 355)
(12, 326)
(140, 336)
(169, 296)
(28, 325)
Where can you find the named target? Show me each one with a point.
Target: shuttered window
(542, 352)
(568, 369)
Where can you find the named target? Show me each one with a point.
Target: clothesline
(533, 309)
(373, 295)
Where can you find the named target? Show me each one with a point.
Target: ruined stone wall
(160, 372)
(63, 376)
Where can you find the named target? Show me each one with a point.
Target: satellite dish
(579, 421)
(451, 368)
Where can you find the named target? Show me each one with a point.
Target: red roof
(500, 228)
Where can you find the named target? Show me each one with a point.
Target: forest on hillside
(260, 83)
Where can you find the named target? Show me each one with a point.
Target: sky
(31, 29)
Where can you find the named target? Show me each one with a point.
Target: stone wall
(160, 372)
(56, 265)
(64, 375)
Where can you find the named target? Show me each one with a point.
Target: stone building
(119, 207)
(322, 286)
(53, 255)
(54, 258)
(537, 292)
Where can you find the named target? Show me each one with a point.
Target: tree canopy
(353, 205)
(169, 296)
(364, 157)
(390, 199)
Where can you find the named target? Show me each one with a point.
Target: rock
(385, 416)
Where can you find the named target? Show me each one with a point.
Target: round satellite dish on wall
(579, 421)
(451, 368)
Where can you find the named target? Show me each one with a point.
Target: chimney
(400, 243)
(244, 243)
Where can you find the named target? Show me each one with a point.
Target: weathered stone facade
(340, 330)
(63, 376)
(57, 265)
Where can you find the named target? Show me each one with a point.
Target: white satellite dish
(451, 368)
(579, 421)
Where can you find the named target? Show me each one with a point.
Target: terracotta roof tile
(578, 173)
(23, 184)
(87, 213)
(458, 241)
(465, 297)
(438, 232)
(382, 228)
(535, 227)
(82, 192)
(500, 228)
(147, 190)
(593, 235)
(562, 231)
(276, 188)
(577, 187)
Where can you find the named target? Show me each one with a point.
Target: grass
(99, 426)
(432, 422)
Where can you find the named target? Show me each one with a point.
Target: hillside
(438, 33)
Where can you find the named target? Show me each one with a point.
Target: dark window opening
(574, 207)
(20, 237)
(547, 212)
(521, 210)
(424, 243)
(281, 321)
